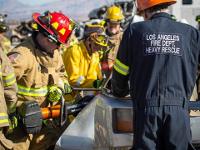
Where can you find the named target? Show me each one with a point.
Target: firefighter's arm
(21, 61)
(71, 59)
(120, 76)
(9, 83)
(94, 71)
(63, 77)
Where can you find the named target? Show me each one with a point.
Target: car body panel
(93, 127)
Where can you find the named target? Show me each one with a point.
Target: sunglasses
(51, 38)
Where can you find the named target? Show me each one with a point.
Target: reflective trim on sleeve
(9, 80)
(0, 71)
(4, 118)
(80, 80)
(121, 68)
(32, 91)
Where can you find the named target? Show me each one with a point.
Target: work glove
(97, 83)
(54, 94)
(67, 88)
(13, 122)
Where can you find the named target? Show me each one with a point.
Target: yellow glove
(67, 88)
(55, 94)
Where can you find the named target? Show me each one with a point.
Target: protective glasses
(100, 39)
(102, 42)
(51, 38)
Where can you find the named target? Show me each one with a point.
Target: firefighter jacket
(36, 71)
(8, 89)
(82, 69)
(115, 40)
(5, 43)
(109, 58)
(159, 59)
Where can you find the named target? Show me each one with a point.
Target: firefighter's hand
(97, 83)
(13, 122)
(67, 88)
(54, 94)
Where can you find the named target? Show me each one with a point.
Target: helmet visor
(102, 42)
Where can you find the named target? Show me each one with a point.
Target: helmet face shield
(101, 42)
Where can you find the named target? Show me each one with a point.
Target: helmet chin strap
(88, 45)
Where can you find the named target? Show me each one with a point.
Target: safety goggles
(101, 40)
(51, 38)
(102, 43)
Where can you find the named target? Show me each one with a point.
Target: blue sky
(36, 2)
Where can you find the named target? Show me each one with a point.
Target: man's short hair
(158, 7)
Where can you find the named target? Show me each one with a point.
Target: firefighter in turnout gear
(114, 18)
(82, 60)
(5, 43)
(41, 75)
(161, 64)
(8, 99)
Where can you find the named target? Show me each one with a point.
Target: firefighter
(41, 75)
(114, 18)
(8, 99)
(5, 43)
(161, 62)
(82, 60)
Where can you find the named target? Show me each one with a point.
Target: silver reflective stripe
(9, 80)
(80, 80)
(3, 118)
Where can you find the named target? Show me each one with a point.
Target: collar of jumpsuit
(161, 14)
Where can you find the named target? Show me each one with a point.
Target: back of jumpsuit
(160, 58)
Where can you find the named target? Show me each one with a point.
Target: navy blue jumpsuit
(160, 58)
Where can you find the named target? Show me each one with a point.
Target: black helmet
(3, 27)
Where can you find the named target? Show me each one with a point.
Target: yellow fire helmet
(114, 14)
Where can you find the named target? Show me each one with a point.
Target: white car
(107, 123)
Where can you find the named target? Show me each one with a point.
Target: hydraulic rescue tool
(31, 116)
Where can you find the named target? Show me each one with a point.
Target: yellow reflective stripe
(0, 71)
(9, 80)
(3, 118)
(121, 68)
(32, 91)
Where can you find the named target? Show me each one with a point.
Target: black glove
(97, 83)
(13, 122)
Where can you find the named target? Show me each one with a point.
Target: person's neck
(150, 14)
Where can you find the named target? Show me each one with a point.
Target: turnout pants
(41, 141)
